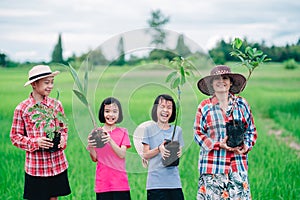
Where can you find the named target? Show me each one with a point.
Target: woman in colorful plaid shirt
(223, 168)
(45, 172)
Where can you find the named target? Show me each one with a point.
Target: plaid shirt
(24, 135)
(210, 130)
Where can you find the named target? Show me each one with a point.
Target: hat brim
(40, 77)
(238, 84)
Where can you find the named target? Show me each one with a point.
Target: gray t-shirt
(159, 176)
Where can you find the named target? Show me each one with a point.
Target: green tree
(97, 58)
(121, 59)
(3, 61)
(220, 54)
(57, 54)
(157, 21)
(181, 49)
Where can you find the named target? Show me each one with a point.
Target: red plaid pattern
(24, 135)
(210, 129)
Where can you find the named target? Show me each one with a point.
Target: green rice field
(273, 94)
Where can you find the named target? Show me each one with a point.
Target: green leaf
(176, 83)
(75, 78)
(237, 43)
(62, 118)
(249, 51)
(182, 80)
(35, 116)
(57, 95)
(46, 126)
(81, 97)
(50, 135)
(37, 124)
(171, 76)
(182, 71)
(86, 80)
(258, 53)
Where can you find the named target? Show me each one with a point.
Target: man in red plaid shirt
(45, 172)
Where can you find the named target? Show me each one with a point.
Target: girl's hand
(91, 148)
(62, 143)
(106, 137)
(91, 142)
(179, 152)
(163, 151)
(44, 143)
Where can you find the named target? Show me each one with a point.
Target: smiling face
(43, 87)
(221, 84)
(164, 111)
(111, 113)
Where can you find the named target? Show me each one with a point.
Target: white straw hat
(38, 72)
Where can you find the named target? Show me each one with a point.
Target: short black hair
(156, 102)
(108, 101)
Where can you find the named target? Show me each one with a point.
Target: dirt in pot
(55, 141)
(172, 160)
(235, 132)
(97, 136)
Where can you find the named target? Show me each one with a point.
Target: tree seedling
(52, 121)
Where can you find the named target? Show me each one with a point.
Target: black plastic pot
(97, 136)
(55, 141)
(235, 132)
(172, 160)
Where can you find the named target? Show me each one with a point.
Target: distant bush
(290, 64)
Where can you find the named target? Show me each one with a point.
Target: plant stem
(92, 116)
(178, 106)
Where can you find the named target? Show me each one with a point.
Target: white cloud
(33, 25)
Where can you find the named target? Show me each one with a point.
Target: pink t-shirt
(111, 169)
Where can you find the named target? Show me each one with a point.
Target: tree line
(219, 54)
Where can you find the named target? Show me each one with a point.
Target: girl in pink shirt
(111, 181)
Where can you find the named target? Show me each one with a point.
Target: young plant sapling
(51, 120)
(250, 58)
(176, 79)
(81, 93)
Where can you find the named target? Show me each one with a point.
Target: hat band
(39, 75)
(220, 72)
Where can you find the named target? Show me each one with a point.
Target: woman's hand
(44, 142)
(163, 151)
(223, 145)
(241, 150)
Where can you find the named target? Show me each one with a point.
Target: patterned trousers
(233, 186)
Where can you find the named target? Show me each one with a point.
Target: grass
(274, 168)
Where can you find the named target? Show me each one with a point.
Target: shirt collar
(46, 100)
(231, 98)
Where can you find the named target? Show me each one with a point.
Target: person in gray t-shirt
(162, 181)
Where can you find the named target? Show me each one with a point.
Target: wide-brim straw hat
(38, 72)
(238, 80)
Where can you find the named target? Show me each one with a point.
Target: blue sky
(29, 29)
